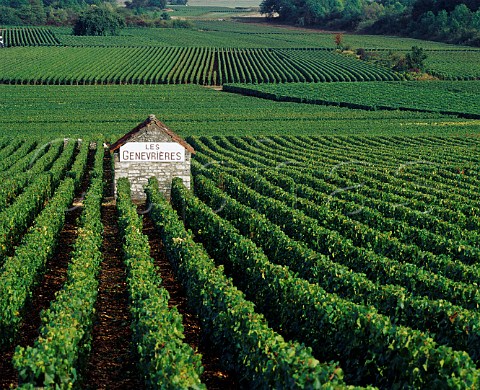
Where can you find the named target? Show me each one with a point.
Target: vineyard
(330, 238)
(108, 111)
(454, 98)
(308, 261)
(31, 36)
(180, 65)
(210, 53)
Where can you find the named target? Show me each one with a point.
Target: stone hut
(151, 149)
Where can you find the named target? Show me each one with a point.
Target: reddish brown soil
(214, 376)
(112, 364)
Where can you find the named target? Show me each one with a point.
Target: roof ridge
(152, 119)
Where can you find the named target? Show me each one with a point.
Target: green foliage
(140, 5)
(402, 307)
(55, 359)
(166, 362)
(336, 328)
(416, 59)
(23, 271)
(29, 36)
(99, 21)
(447, 21)
(180, 65)
(16, 218)
(456, 98)
(243, 337)
(79, 111)
(452, 21)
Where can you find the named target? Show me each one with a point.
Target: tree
(9, 16)
(140, 4)
(460, 18)
(338, 38)
(99, 21)
(415, 60)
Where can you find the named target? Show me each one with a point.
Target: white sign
(152, 152)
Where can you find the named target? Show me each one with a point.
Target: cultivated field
(330, 239)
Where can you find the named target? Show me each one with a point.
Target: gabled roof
(151, 121)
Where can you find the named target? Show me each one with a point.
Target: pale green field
(77, 111)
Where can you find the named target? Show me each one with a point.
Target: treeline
(43, 12)
(147, 13)
(454, 21)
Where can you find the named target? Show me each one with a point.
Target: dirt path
(213, 376)
(111, 364)
(52, 282)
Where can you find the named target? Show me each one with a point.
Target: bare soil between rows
(214, 376)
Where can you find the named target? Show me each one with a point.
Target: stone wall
(139, 172)
(152, 135)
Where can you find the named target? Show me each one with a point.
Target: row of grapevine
(461, 225)
(22, 272)
(379, 192)
(16, 218)
(179, 65)
(8, 153)
(384, 199)
(53, 360)
(29, 36)
(443, 97)
(25, 169)
(165, 360)
(261, 356)
(394, 301)
(371, 350)
(455, 269)
(329, 241)
(329, 66)
(417, 177)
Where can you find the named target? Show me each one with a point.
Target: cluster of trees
(43, 12)
(333, 13)
(141, 5)
(409, 63)
(103, 20)
(456, 21)
(451, 21)
(89, 17)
